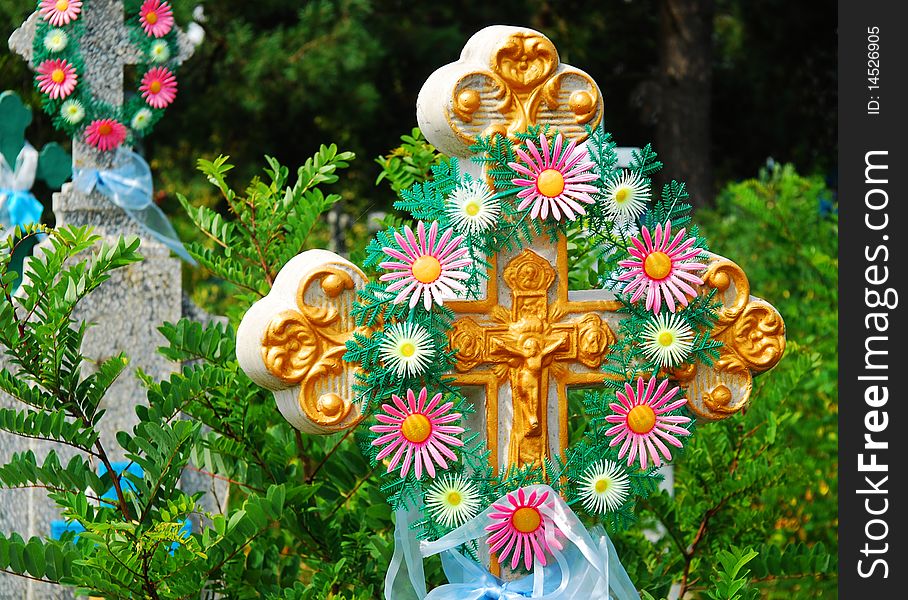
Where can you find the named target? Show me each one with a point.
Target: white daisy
(141, 119)
(452, 500)
(407, 347)
(667, 339)
(55, 40)
(159, 52)
(604, 487)
(72, 111)
(626, 197)
(472, 208)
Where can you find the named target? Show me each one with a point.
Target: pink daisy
(642, 420)
(522, 528)
(57, 78)
(156, 18)
(105, 134)
(659, 268)
(429, 267)
(159, 87)
(417, 428)
(556, 179)
(60, 12)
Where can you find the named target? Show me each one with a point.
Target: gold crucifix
(525, 343)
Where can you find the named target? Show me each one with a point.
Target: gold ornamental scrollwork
(752, 333)
(304, 346)
(525, 84)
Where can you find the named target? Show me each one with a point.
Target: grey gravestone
(127, 310)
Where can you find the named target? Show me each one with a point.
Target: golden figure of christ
(524, 344)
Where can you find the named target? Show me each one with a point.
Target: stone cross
(106, 50)
(528, 338)
(127, 310)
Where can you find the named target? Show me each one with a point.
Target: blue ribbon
(19, 207)
(470, 581)
(588, 568)
(128, 185)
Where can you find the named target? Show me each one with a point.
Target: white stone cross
(528, 337)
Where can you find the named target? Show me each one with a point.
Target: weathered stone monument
(126, 311)
(519, 343)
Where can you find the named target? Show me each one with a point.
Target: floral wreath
(71, 103)
(648, 255)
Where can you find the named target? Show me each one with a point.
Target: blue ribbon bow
(128, 185)
(588, 568)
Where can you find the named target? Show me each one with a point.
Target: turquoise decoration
(128, 185)
(20, 165)
(15, 117)
(54, 165)
(61, 526)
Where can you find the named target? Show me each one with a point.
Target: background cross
(106, 50)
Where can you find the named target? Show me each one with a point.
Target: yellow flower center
(526, 519)
(154, 87)
(657, 265)
(454, 498)
(601, 485)
(58, 76)
(666, 339)
(105, 129)
(407, 349)
(471, 208)
(550, 183)
(151, 17)
(621, 195)
(416, 428)
(641, 419)
(62, 5)
(426, 269)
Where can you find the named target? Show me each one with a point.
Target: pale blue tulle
(587, 568)
(128, 185)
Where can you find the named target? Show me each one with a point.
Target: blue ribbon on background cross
(18, 206)
(128, 185)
